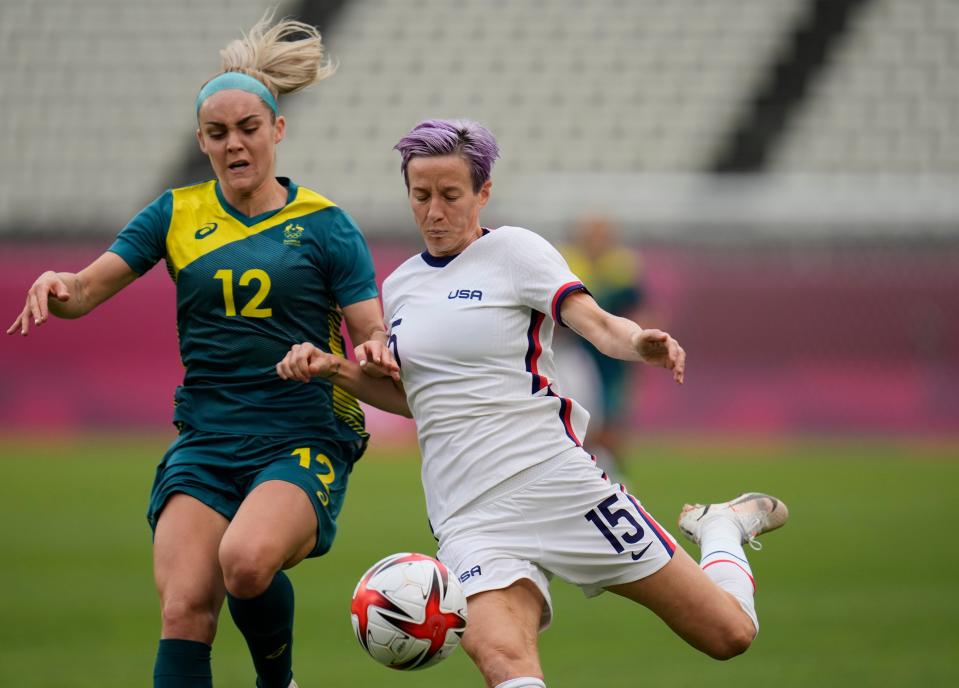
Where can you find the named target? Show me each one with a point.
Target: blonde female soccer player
(256, 478)
(512, 497)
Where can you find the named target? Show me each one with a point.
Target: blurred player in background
(256, 478)
(602, 384)
(512, 497)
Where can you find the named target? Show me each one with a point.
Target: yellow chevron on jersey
(345, 405)
(298, 266)
(200, 224)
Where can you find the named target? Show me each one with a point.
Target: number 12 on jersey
(252, 308)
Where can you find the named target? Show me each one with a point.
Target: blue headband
(239, 81)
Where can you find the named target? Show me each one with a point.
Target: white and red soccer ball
(408, 611)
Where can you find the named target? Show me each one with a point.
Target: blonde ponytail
(286, 57)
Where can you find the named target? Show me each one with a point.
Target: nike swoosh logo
(277, 653)
(754, 497)
(639, 555)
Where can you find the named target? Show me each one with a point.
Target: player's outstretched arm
(622, 338)
(364, 320)
(305, 361)
(72, 295)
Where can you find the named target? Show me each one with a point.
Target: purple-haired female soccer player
(512, 497)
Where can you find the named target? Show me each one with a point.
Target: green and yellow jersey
(614, 280)
(247, 289)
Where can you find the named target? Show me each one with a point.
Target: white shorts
(562, 517)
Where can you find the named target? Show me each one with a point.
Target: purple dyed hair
(435, 137)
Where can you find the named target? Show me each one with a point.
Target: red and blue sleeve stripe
(557, 305)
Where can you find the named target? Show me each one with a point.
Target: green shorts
(220, 470)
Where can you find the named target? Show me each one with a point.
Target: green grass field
(860, 589)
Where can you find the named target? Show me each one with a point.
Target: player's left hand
(305, 361)
(376, 360)
(658, 348)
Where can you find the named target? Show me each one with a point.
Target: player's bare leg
(711, 605)
(190, 584)
(503, 632)
(698, 610)
(186, 568)
(274, 529)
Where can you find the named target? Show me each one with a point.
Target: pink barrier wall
(815, 339)
(808, 340)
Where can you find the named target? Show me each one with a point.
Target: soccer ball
(408, 611)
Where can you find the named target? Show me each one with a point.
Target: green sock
(266, 622)
(182, 664)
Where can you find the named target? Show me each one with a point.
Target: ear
(484, 192)
(199, 140)
(279, 129)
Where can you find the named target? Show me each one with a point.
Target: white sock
(724, 562)
(522, 682)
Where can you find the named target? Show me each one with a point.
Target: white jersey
(472, 334)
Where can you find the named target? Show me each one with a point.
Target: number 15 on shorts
(605, 518)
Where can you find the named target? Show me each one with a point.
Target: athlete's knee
(189, 618)
(497, 664)
(247, 569)
(498, 660)
(731, 638)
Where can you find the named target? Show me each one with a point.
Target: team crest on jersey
(292, 234)
(468, 294)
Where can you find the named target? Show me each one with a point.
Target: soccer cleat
(292, 684)
(754, 513)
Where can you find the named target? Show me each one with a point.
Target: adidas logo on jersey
(466, 294)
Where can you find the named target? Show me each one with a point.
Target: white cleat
(293, 685)
(754, 513)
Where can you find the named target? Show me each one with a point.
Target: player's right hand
(47, 286)
(658, 348)
(376, 360)
(305, 361)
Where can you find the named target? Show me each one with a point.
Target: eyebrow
(442, 189)
(240, 123)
